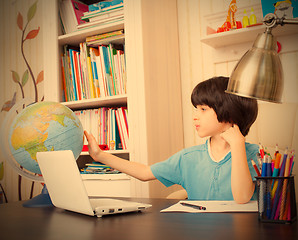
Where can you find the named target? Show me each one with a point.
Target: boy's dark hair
(228, 107)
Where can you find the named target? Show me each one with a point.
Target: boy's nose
(196, 115)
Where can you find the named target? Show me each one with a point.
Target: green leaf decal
(15, 76)
(25, 77)
(31, 11)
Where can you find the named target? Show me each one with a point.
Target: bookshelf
(153, 94)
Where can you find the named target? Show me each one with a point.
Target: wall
(276, 123)
(162, 85)
(11, 60)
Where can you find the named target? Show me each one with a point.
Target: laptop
(67, 190)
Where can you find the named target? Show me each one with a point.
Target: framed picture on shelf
(286, 9)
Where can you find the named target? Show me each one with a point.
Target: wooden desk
(17, 222)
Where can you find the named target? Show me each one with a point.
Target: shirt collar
(210, 154)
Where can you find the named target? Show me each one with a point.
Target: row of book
(108, 125)
(75, 15)
(98, 168)
(106, 12)
(93, 72)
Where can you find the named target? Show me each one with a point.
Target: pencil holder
(276, 199)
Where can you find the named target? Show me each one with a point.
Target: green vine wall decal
(28, 73)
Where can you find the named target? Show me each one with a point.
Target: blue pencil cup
(276, 199)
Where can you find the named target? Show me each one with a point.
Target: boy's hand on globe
(93, 148)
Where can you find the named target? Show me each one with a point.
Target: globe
(39, 127)
(44, 126)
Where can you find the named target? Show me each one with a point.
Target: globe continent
(44, 126)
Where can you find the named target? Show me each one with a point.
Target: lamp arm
(271, 20)
(290, 21)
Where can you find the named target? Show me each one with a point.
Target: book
(112, 69)
(107, 70)
(72, 75)
(89, 72)
(104, 6)
(93, 53)
(69, 71)
(101, 76)
(107, 35)
(71, 12)
(79, 9)
(93, 17)
(84, 70)
(101, 22)
(63, 79)
(81, 80)
(76, 74)
(121, 118)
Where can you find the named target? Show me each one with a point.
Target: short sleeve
(168, 172)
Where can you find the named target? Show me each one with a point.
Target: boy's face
(206, 122)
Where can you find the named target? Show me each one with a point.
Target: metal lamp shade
(259, 74)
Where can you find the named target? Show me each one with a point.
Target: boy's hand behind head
(233, 136)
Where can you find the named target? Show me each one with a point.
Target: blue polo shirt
(202, 178)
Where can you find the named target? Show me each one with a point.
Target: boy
(221, 168)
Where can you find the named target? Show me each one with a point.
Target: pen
(193, 206)
(268, 168)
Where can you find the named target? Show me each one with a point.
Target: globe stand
(41, 200)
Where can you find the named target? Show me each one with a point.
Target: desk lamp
(258, 74)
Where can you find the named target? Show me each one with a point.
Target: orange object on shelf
(230, 22)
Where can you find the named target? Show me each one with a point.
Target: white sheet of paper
(214, 206)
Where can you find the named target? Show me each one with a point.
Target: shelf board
(118, 176)
(243, 35)
(109, 151)
(80, 35)
(97, 102)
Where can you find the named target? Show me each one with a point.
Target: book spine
(108, 72)
(76, 72)
(63, 79)
(94, 72)
(72, 74)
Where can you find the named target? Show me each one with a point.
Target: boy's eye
(202, 108)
